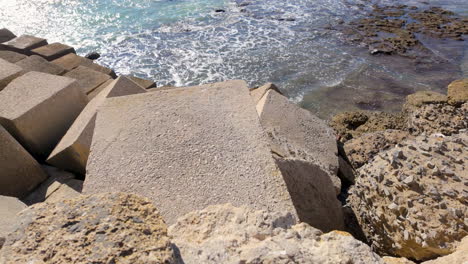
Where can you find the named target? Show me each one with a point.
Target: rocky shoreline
(100, 168)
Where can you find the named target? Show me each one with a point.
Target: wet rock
(458, 92)
(227, 234)
(424, 97)
(394, 211)
(93, 55)
(104, 228)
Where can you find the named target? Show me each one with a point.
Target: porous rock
(459, 256)
(104, 228)
(228, 234)
(411, 200)
(458, 92)
(424, 97)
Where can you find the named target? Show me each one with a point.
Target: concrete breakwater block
(186, 148)
(23, 44)
(11, 56)
(19, 172)
(147, 84)
(87, 78)
(73, 149)
(72, 61)
(259, 92)
(8, 72)
(38, 108)
(53, 51)
(39, 64)
(6, 35)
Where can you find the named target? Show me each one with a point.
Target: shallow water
(185, 42)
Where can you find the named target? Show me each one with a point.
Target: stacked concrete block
(53, 51)
(19, 172)
(99, 89)
(88, 79)
(72, 61)
(39, 64)
(23, 44)
(6, 35)
(8, 72)
(11, 56)
(38, 108)
(147, 84)
(73, 149)
(259, 92)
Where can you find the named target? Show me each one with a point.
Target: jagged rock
(104, 228)
(411, 200)
(38, 108)
(11, 56)
(87, 78)
(458, 92)
(19, 172)
(9, 208)
(8, 72)
(424, 97)
(6, 35)
(23, 44)
(362, 149)
(72, 152)
(39, 64)
(459, 256)
(147, 84)
(438, 118)
(259, 92)
(226, 234)
(53, 51)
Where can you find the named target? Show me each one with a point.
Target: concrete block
(11, 56)
(259, 92)
(23, 44)
(101, 87)
(38, 108)
(6, 35)
(19, 172)
(53, 51)
(39, 64)
(9, 208)
(73, 149)
(71, 61)
(147, 84)
(8, 72)
(87, 78)
(187, 148)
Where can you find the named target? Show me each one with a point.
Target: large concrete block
(8, 72)
(11, 56)
(39, 64)
(87, 78)
(296, 133)
(23, 44)
(71, 61)
(99, 89)
(6, 35)
(19, 172)
(53, 51)
(187, 148)
(38, 108)
(73, 149)
(259, 92)
(147, 84)
(9, 208)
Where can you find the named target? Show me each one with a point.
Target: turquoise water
(185, 42)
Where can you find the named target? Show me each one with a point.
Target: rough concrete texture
(11, 56)
(186, 148)
(71, 61)
(8, 72)
(458, 92)
(9, 207)
(23, 44)
(59, 186)
(104, 228)
(87, 78)
(226, 234)
(411, 201)
(297, 134)
(438, 118)
(459, 256)
(362, 149)
(6, 35)
(38, 108)
(53, 51)
(259, 92)
(19, 172)
(39, 64)
(72, 152)
(147, 84)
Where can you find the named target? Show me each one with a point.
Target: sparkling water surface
(186, 42)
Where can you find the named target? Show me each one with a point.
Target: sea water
(190, 42)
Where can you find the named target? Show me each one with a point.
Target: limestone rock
(438, 118)
(9, 207)
(424, 97)
(458, 92)
(393, 260)
(72, 152)
(346, 171)
(186, 148)
(72, 61)
(459, 256)
(53, 51)
(411, 200)
(6, 35)
(105, 228)
(362, 149)
(11, 56)
(226, 234)
(87, 78)
(147, 84)
(23, 44)
(8, 72)
(39, 64)
(259, 92)
(19, 172)
(38, 108)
